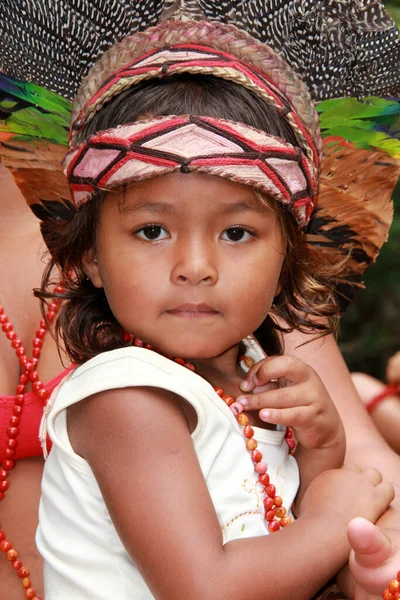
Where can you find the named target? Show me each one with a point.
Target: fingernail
(243, 400)
(245, 385)
(265, 415)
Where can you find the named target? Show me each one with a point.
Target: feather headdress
(347, 52)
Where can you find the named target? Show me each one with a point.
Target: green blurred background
(393, 7)
(370, 331)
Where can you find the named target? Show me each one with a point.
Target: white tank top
(84, 557)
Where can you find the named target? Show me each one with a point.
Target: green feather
(29, 122)
(373, 123)
(30, 111)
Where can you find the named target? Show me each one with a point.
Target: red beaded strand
(392, 592)
(275, 514)
(31, 375)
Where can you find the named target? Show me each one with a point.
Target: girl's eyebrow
(222, 208)
(229, 207)
(157, 207)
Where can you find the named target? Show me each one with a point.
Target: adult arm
(385, 414)
(365, 445)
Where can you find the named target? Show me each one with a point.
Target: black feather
(339, 47)
(54, 210)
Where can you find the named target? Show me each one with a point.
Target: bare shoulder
(111, 415)
(138, 446)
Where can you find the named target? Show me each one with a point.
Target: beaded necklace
(392, 592)
(275, 513)
(29, 374)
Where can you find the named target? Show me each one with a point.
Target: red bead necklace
(392, 592)
(275, 513)
(29, 374)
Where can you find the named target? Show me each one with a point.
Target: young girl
(184, 240)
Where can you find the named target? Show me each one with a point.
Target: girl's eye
(152, 233)
(237, 234)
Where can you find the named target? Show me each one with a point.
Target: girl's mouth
(193, 311)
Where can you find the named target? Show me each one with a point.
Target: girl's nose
(195, 266)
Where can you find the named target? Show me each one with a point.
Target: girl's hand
(289, 392)
(373, 558)
(393, 369)
(348, 492)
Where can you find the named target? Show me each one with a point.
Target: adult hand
(374, 559)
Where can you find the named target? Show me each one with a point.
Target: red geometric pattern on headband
(197, 59)
(131, 153)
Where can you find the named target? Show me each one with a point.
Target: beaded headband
(131, 153)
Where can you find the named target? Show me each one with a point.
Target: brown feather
(37, 169)
(355, 191)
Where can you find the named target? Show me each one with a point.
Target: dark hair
(190, 94)
(86, 323)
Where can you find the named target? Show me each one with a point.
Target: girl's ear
(91, 268)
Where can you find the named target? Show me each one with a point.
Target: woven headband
(131, 153)
(200, 60)
(128, 154)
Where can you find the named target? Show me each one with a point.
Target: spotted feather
(339, 47)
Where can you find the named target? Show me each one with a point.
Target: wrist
(318, 460)
(389, 390)
(333, 523)
(313, 462)
(334, 442)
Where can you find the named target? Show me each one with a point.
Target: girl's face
(189, 263)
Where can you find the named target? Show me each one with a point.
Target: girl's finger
(272, 385)
(297, 417)
(373, 475)
(248, 382)
(274, 368)
(278, 397)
